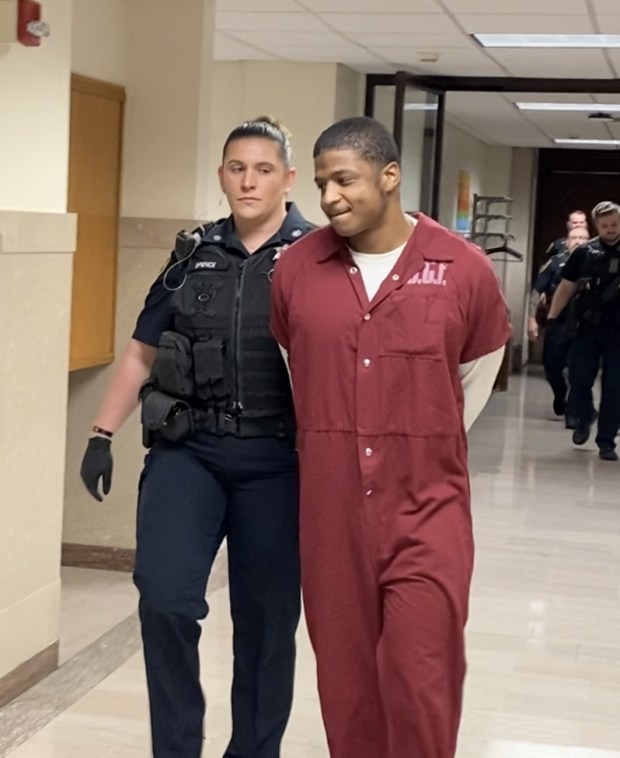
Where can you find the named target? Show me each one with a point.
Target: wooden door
(94, 194)
(570, 180)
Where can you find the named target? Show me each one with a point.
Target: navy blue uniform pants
(192, 495)
(588, 351)
(555, 361)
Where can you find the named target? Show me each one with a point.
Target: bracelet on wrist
(103, 432)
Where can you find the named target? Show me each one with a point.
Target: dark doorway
(570, 180)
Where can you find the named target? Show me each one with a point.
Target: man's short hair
(366, 136)
(605, 208)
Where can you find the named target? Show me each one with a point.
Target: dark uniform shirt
(556, 248)
(550, 275)
(579, 267)
(575, 268)
(157, 317)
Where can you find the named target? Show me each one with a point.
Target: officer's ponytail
(267, 128)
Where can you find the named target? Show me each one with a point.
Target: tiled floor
(92, 602)
(544, 635)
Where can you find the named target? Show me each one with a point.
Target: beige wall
(495, 170)
(523, 193)
(37, 239)
(306, 97)
(488, 165)
(99, 40)
(34, 118)
(168, 89)
(35, 291)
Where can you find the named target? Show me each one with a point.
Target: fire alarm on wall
(20, 21)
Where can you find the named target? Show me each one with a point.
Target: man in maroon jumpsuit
(376, 353)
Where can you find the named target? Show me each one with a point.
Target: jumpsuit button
(368, 493)
(368, 451)
(367, 362)
(353, 270)
(396, 277)
(367, 317)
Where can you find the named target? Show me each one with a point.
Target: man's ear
(391, 177)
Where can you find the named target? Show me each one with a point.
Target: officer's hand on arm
(532, 329)
(120, 400)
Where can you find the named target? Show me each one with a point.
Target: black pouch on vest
(173, 368)
(209, 369)
(173, 419)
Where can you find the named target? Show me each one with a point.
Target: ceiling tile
(588, 64)
(348, 54)
(227, 49)
(606, 6)
(610, 24)
(370, 6)
(487, 23)
(268, 22)
(553, 97)
(410, 23)
(276, 6)
(273, 40)
(535, 7)
(417, 41)
(450, 63)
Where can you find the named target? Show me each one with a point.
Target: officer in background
(218, 416)
(557, 338)
(576, 220)
(593, 271)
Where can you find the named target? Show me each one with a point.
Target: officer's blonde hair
(605, 208)
(268, 128)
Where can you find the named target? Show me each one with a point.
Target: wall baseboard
(29, 673)
(98, 557)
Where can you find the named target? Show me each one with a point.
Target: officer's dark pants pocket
(173, 367)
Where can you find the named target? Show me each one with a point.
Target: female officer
(217, 413)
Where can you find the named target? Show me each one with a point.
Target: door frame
(441, 85)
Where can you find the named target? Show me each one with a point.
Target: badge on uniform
(279, 251)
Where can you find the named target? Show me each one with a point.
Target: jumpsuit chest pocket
(417, 396)
(414, 327)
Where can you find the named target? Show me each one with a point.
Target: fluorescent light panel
(580, 107)
(599, 41)
(420, 106)
(571, 141)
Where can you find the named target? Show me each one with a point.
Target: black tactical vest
(598, 301)
(221, 357)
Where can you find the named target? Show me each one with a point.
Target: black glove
(97, 464)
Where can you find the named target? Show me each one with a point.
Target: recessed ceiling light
(581, 107)
(420, 106)
(548, 40)
(573, 141)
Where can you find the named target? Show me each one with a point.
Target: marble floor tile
(91, 603)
